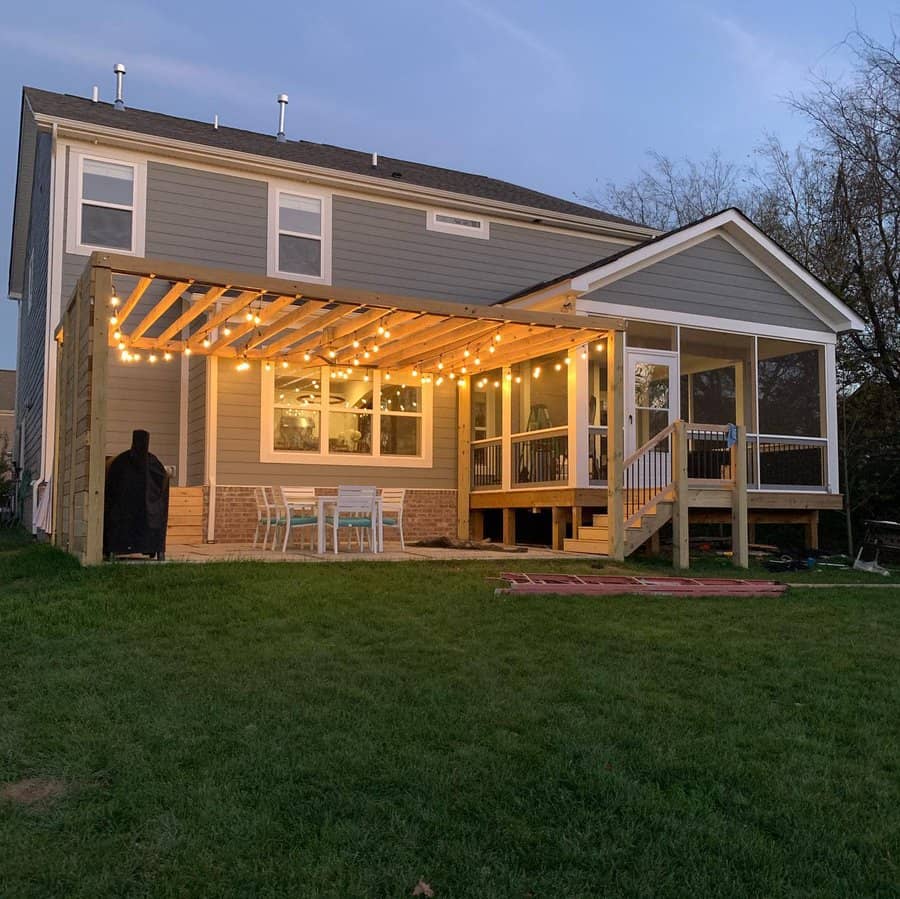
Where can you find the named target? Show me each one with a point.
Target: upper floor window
(299, 226)
(458, 223)
(106, 205)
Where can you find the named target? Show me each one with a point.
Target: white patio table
(377, 524)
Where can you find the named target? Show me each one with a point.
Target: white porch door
(651, 396)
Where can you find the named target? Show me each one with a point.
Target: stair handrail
(633, 511)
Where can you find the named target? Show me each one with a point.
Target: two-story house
(280, 312)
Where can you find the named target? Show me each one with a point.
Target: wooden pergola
(239, 316)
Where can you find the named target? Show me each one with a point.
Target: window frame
(74, 243)
(268, 453)
(308, 192)
(433, 223)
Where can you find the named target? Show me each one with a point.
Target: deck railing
(708, 453)
(598, 454)
(487, 463)
(647, 473)
(540, 457)
(775, 462)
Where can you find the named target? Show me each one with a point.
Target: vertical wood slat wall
(81, 372)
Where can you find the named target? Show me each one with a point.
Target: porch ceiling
(239, 316)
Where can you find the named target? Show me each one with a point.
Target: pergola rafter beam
(134, 298)
(288, 320)
(265, 315)
(160, 309)
(193, 310)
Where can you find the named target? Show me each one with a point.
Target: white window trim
(298, 190)
(433, 223)
(267, 452)
(74, 205)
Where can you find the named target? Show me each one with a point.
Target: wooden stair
(594, 538)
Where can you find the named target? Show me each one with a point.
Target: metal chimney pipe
(119, 70)
(282, 103)
(95, 94)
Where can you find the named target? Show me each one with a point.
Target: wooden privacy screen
(81, 371)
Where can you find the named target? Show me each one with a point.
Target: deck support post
(681, 543)
(615, 363)
(464, 457)
(558, 520)
(812, 530)
(509, 527)
(101, 291)
(740, 533)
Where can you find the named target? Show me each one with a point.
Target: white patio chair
(392, 510)
(300, 509)
(266, 515)
(354, 508)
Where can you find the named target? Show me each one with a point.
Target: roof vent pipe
(282, 103)
(119, 70)
(216, 121)
(374, 160)
(95, 94)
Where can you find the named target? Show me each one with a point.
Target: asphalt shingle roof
(66, 106)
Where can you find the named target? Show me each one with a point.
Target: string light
(306, 357)
(243, 365)
(464, 369)
(114, 299)
(477, 361)
(375, 348)
(491, 349)
(558, 366)
(496, 384)
(136, 357)
(599, 347)
(387, 334)
(268, 366)
(284, 363)
(167, 356)
(461, 383)
(226, 332)
(509, 376)
(366, 354)
(536, 373)
(355, 344)
(440, 366)
(114, 320)
(356, 360)
(206, 341)
(117, 335)
(121, 345)
(249, 315)
(187, 351)
(452, 376)
(381, 329)
(466, 354)
(415, 373)
(332, 354)
(583, 354)
(567, 360)
(518, 379)
(152, 358)
(387, 376)
(497, 337)
(439, 380)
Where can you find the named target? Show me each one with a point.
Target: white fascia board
(267, 166)
(735, 226)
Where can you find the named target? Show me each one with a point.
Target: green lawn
(344, 730)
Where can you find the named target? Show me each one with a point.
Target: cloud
(765, 63)
(554, 61)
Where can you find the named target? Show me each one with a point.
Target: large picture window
(314, 414)
(299, 233)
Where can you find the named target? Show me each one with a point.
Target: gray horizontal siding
(714, 279)
(33, 316)
(196, 421)
(380, 246)
(207, 218)
(238, 445)
(143, 396)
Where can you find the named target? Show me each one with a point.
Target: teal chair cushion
(389, 520)
(351, 522)
(298, 520)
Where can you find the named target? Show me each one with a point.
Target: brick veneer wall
(426, 513)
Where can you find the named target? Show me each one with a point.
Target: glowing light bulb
(356, 360)
(306, 357)
(599, 347)
(167, 357)
(381, 329)
(537, 372)
(117, 335)
(284, 363)
(152, 358)
(243, 365)
(114, 299)
(114, 320)
(439, 380)
(558, 366)
(268, 366)
(121, 345)
(497, 337)
(366, 354)
(415, 373)
(249, 316)
(386, 333)
(583, 354)
(461, 383)
(375, 348)
(491, 349)
(206, 341)
(226, 332)
(387, 376)
(477, 361)
(464, 369)
(187, 351)
(440, 366)
(452, 376)
(518, 379)
(509, 376)
(331, 354)
(136, 357)
(496, 384)
(355, 344)
(466, 354)
(567, 360)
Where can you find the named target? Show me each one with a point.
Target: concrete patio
(232, 552)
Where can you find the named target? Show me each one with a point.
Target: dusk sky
(560, 96)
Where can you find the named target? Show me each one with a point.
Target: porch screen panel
(713, 366)
(790, 377)
(540, 394)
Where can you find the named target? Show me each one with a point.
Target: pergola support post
(740, 539)
(616, 444)
(464, 458)
(681, 543)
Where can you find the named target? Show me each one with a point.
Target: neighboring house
(288, 313)
(7, 409)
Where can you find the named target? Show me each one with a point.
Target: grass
(343, 730)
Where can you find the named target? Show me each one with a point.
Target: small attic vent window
(457, 223)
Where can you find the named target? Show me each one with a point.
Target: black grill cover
(136, 511)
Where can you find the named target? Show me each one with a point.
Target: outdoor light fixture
(167, 357)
